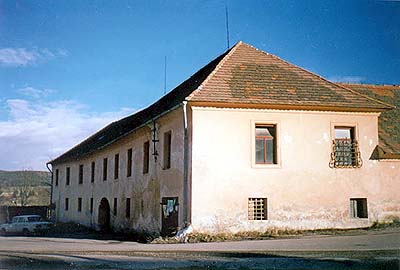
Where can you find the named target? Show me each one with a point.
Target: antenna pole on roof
(165, 75)
(227, 26)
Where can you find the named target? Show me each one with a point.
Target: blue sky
(67, 68)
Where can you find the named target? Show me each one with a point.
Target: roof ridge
(322, 78)
(219, 65)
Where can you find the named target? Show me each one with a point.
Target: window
(56, 177)
(80, 174)
(66, 204)
(146, 157)
(91, 205)
(345, 152)
(115, 206)
(67, 176)
(93, 169)
(105, 161)
(358, 208)
(266, 144)
(167, 150)
(129, 163)
(79, 204)
(128, 208)
(116, 166)
(257, 209)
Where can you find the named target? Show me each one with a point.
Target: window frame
(277, 150)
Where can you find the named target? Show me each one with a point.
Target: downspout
(51, 189)
(185, 208)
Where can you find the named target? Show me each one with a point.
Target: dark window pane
(270, 151)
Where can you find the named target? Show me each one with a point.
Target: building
(248, 142)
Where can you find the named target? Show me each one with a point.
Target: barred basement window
(345, 150)
(257, 209)
(358, 208)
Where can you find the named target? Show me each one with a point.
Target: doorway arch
(104, 215)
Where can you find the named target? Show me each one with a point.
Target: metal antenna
(165, 75)
(227, 25)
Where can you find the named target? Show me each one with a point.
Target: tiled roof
(389, 121)
(250, 76)
(241, 75)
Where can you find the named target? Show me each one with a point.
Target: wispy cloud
(39, 131)
(36, 93)
(347, 79)
(23, 57)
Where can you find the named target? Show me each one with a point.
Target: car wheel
(25, 231)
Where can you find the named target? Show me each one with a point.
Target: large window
(129, 163)
(146, 157)
(167, 150)
(266, 144)
(257, 209)
(345, 151)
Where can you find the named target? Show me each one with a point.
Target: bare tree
(23, 190)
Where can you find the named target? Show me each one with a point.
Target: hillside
(24, 187)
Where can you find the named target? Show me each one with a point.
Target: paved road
(376, 250)
(371, 241)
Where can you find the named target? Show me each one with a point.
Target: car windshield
(34, 219)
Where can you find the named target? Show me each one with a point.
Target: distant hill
(17, 178)
(24, 187)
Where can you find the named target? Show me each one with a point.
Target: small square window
(358, 208)
(257, 209)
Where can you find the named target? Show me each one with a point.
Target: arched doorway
(104, 215)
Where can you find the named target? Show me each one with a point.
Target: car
(25, 224)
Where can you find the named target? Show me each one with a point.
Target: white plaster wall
(302, 191)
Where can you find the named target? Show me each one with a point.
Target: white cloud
(34, 92)
(37, 132)
(24, 57)
(347, 79)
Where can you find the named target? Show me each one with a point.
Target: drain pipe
(186, 190)
(51, 189)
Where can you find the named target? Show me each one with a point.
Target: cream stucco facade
(302, 190)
